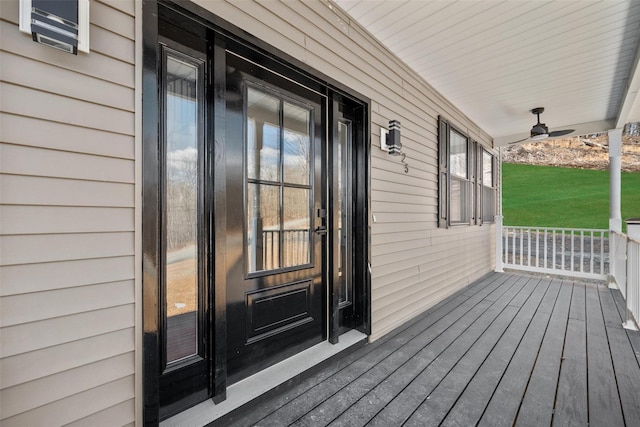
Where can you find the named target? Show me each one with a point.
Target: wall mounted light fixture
(61, 24)
(390, 142)
(390, 139)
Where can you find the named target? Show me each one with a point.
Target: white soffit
(496, 60)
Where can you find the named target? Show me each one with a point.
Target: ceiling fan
(540, 131)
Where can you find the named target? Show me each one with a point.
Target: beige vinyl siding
(414, 263)
(67, 225)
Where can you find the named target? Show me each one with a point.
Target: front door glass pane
(181, 198)
(263, 136)
(263, 226)
(296, 143)
(297, 226)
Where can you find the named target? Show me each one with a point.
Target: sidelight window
(182, 103)
(344, 213)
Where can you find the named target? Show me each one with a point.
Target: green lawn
(547, 196)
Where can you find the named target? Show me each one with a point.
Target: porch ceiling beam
(580, 129)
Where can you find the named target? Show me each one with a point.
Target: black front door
(276, 219)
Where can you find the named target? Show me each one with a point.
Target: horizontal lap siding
(67, 208)
(414, 264)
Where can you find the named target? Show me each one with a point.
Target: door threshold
(246, 391)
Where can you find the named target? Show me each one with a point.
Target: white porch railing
(586, 253)
(562, 251)
(632, 288)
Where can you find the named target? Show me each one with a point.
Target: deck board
(503, 339)
(604, 400)
(571, 394)
(625, 363)
(425, 376)
(505, 399)
(537, 404)
(471, 404)
(509, 349)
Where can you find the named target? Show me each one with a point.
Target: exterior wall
(414, 264)
(68, 198)
(67, 229)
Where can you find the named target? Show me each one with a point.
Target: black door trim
(150, 219)
(219, 312)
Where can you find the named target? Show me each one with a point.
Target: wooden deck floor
(509, 349)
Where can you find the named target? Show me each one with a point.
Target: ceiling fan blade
(515, 142)
(560, 132)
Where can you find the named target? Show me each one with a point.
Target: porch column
(499, 265)
(615, 216)
(615, 154)
(498, 219)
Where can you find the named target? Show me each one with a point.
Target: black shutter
(494, 185)
(479, 182)
(443, 173)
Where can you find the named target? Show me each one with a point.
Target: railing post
(499, 265)
(615, 218)
(632, 274)
(613, 252)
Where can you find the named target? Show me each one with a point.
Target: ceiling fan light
(539, 136)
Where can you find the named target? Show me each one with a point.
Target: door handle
(321, 230)
(322, 214)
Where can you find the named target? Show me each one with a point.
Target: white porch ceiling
(496, 60)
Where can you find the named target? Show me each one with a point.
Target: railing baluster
(529, 247)
(602, 252)
(572, 250)
(513, 246)
(581, 250)
(505, 245)
(563, 249)
(554, 248)
(545, 249)
(537, 247)
(591, 269)
(521, 241)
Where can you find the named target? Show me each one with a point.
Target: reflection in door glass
(296, 144)
(263, 227)
(278, 199)
(344, 212)
(181, 207)
(297, 226)
(263, 136)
